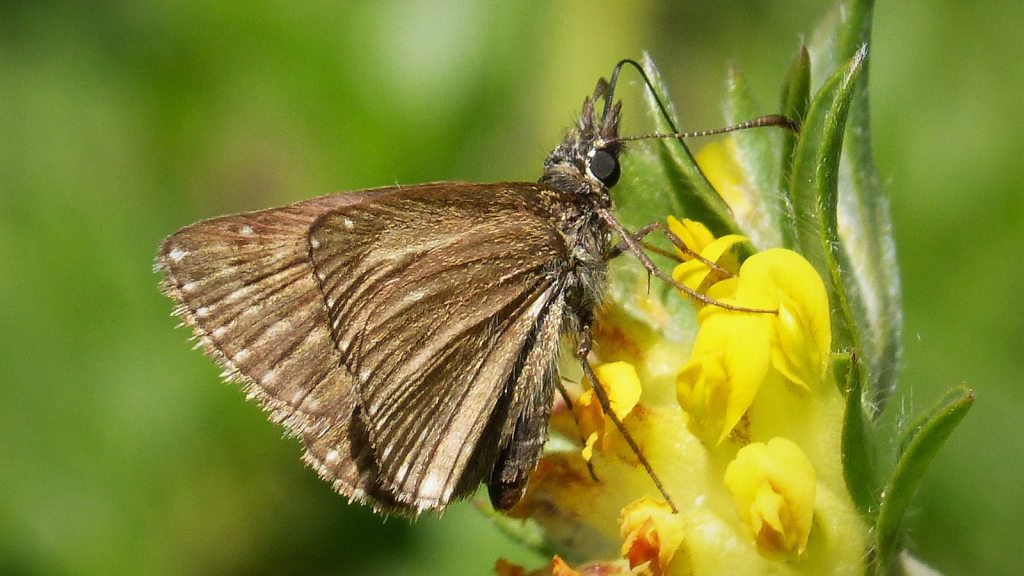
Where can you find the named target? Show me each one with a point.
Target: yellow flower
(802, 332)
(693, 273)
(694, 235)
(730, 360)
(734, 351)
(651, 534)
(622, 384)
(773, 488)
(749, 377)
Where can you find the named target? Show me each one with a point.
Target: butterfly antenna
(762, 122)
(647, 81)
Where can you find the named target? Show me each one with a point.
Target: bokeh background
(120, 121)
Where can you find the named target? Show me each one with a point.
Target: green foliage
(686, 183)
(796, 99)
(757, 152)
(918, 447)
(814, 194)
(859, 443)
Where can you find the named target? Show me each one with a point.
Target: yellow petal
(694, 235)
(694, 273)
(730, 360)
(691, 274)
(769, 508)
(794, 353)
(720, 246)
(622, 384)
(802, 332)
(703, 393)
(773, 487)
(588, 447)
(689, 387)
(590, 420)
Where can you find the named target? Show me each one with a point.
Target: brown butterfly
(409, 335)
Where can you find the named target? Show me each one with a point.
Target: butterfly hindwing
(536, 380)
(435, 318)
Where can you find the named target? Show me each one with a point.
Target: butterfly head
(587, 160)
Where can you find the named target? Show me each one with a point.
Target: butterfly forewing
(434, 318)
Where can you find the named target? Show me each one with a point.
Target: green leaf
(697, 198)
(815, 187)
(645, 194)
(796, 98)
(652, 188)
(920, 445)
(839, 36)
(872, 279)
(660, 177)
(915, 426)
(757, 154)
(858, 442)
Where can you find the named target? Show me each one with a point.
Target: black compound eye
(605, 167)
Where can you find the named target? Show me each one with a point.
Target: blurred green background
(120, 121)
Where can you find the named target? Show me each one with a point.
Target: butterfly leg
(637, 251)
(565, 396)
(678, 243)
(602, 397)
(642, 233)
(639, 235)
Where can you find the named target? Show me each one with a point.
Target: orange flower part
(651, 534)
(505, 568)
(560, 568)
